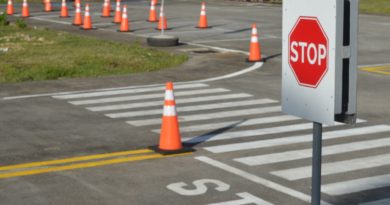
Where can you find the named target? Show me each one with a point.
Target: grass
(41, 54)
(374, 6)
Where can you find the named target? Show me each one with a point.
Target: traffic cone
(162, 21)
(152, 12)
(155, 2)
(118, 14)
(75, 3)
(87, 19)
(203, 17)
(125, 21)
(106, 12)
(64, 10)
(10, 8)
(254, 49)
(25, 9)
(77, 21)
(170, 139)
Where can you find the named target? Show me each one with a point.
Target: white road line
(258, 180)
(379, 202)
(215, 115)
(192, 108)
(160, 102)
(307, 153)
(127, 91)
(237, 123)
(249, 133)
(356, 185)
(335, 167)
(52, 21)
(224, 50)
(149, 96)
(296, 139)
(246, 198)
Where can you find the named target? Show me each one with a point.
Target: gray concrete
(44, 128)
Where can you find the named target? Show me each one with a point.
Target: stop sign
(308, 51)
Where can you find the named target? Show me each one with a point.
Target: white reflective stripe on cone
(169, 95)
(169, 110)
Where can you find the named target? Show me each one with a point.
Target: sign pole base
(316, 164)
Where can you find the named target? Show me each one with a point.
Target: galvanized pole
(163, 13)
(316, 164)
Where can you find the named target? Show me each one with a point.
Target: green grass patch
(28, 54)
(374, 6)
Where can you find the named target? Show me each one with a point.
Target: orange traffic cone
(254, 50)
(203, 17)
(162, 21)
(155, 2)
(170, 135)
(77, 21)
(125, 21)
(118, 14)
(10, 8)
(106, 12)
(152, 12)
(64, 10)
(47, 6)
(87, 19)
(75, 3)
(25, 9)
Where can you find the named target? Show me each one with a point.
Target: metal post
(162, 11)
(316, 164)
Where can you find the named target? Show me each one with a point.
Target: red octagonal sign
(308, 51)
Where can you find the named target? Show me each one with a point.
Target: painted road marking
(149, 96)
(258, 180)
(160, 102)
(127, 91)
(249, 133)
(296, 139)
(40, 169)
(356, 185)
(335, 167)
(237, 123)
(246, 198)
(74, 159)
(215, 115)
(182, 109)
(307, 153)
(384, 70)
(379, 202)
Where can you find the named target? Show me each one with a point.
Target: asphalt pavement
(84, 141)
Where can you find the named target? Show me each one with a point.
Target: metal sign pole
(316, 164)
(162, 11)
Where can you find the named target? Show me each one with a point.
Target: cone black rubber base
(124, 31)
(203, 27)
(76, 24)
(170, 152)
(163, 41)
(106, 16)
(88, 29)
(151, 21)
(167, 29)
(64, 17)
(116, 22)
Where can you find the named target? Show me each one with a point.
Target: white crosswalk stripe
(208, 116)
(378, 202)
(237, 123)
(148, 96)
(306, 153)
(127, 91)
(179, 101)
(335, 167)
(296, 139)
(356, 185)
(193, 108)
